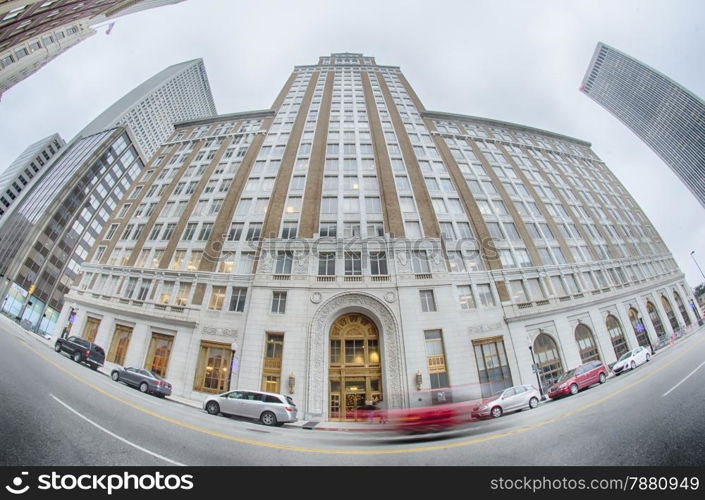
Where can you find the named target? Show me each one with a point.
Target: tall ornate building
(348, 246)
(666, 116)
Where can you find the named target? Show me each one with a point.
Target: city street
(57, 412)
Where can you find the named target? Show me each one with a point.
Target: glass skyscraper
(667, 117)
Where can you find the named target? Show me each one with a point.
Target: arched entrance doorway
(669, 312)
(619, 342)
(548, 359)
(681, 308)
(586, 343)
(642, 337)
(355, 369)
(655, 319)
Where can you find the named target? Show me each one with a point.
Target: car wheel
(603, 377)
(115, 376)
(212, 408)
(94, 367)
(573, 389)
(633, 365)
(57, 347)
(533, 403)
(144, 387)
(496, 412)
(268, 418)
(76, 357)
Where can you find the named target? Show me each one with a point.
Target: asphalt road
(56, 412)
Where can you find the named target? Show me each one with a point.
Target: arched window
(642, 337)
(586, 344)
(669, 312)
(547, 358)
(681, 308)
(655, 319)
(619, 343)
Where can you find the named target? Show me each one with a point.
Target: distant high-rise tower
(667, 117)
(28, 166)
(45, 234)
(179, 93)
(33, 32)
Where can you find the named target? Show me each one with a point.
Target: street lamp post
(536, 369)
(692, 254)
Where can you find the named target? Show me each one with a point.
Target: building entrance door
(355, 372)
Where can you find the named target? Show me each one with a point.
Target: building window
(484, 293)
(465, 297)
(237, 299)
(586, 344)
(353, 264)
(283, 262)
(213, 368)
(278, 302)
(420, 262)
(119, 344)
(326, 264)
(548, 360)
(217, 298)
(378, 263)
(271, 373)
(428, 302)
(619, 342)
(183, 294)
(492, 365)
(289, 230)
(158, 353)
(91, 329)
(435, 358)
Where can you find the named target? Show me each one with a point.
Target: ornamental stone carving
(390, 297)
(403, 261)
(266, 262)
(316, 297)
(394, 383)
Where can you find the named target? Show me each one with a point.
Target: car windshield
(625, 356)
(290, 401)
(566, 376)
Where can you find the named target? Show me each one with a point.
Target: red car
(428, 418)
(572, 381)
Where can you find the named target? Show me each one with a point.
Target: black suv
(82, 351)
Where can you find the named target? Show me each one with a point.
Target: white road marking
(173, 462)
(679, 383)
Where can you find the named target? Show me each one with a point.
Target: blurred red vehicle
(437, 414)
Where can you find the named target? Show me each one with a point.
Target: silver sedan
(144, 380)
(511, 399)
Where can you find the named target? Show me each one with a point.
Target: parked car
(578, 378)
(267, 407)
(146, 381)
(81, 351)
(630, 360)
(512, 399)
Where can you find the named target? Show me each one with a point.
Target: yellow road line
(332, 451)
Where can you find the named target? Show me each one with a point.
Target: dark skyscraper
(666, 116)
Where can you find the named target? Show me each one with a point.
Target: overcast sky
(519, 61)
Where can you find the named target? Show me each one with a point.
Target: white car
(632, 359)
